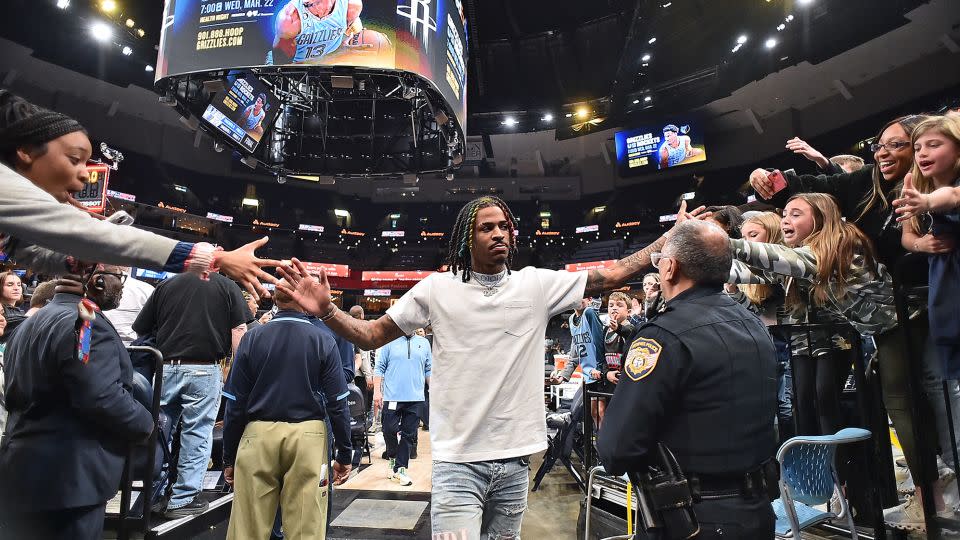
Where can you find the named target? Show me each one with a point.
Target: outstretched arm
(628, 267)
(313, 296)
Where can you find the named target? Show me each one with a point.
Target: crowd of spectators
(818, 248)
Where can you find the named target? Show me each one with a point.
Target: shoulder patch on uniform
(642, 358)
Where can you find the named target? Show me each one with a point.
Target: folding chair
(808, 477)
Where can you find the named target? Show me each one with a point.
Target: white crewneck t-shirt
(486, 388)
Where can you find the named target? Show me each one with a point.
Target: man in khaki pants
(286, 379)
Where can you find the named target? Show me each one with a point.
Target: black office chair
(358, 421)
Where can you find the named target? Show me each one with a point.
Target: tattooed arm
(618, 274)
(628, 267)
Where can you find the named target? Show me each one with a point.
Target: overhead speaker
(341, 81)
(214, 86)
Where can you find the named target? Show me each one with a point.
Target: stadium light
(582, 112)
(742, 39)
(101, 31)
(108, 6)
(127, 51)
(130, 23)
(63, 4)
(140, 32)
(770, 43)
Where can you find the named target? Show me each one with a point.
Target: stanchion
(141, 523)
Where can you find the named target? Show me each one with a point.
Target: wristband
(330, 314)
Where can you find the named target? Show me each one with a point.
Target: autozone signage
(596, 265)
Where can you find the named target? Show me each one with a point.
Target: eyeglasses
(656, 257)
(122, 277)
(891, 146)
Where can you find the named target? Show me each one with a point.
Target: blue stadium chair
(808, 477)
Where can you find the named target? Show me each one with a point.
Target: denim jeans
(191, 394)
(933, 387)
(484, 500)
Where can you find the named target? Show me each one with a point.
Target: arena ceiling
(537, 59)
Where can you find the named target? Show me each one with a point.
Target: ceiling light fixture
(63, 4)
(652, 40)
(645, 58)
(130, 23)
(510, 121)
(648, 99)
(742, 39)
(149, 68)
(101, 32)
(636, 101)
(548, 117)
(770, 43)
(127, 51)
(108, 6)
(582, 112)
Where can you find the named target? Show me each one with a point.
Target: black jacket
(701, 378)
(850, 189)
(70, 423)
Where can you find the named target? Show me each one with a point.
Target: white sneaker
(401, 477)
(906, 517)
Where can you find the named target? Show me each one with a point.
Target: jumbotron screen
(243, 112)
(425, 37)
(641, 151)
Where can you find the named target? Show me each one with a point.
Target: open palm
(312, 295)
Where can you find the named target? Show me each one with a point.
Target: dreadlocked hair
(461, 239)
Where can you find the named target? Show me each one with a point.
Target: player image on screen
(321, 31)
(676, 148)
(252, 119)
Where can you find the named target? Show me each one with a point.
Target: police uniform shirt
(700, 377)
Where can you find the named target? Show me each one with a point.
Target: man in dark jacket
(700, 377)
(72, 416)
(286, 379)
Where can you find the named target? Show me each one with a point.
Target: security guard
(700, 378)
(286, 380)
(72, 416)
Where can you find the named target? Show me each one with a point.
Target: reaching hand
(378, 399)
(762, 184)
(595, 374)
(911, 202)
(228, 475)
(243, 265)
(613, 376)
(340, 472)
(311, 295)
(799, 146)
(934, 244)
(683, 215)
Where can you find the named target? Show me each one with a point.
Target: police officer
(72, 416)
(286, 379)
(700, 378)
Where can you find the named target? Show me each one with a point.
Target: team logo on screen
(421, 22)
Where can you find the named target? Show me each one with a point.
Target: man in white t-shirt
(486, 402)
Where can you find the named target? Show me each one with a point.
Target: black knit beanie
(25, 124)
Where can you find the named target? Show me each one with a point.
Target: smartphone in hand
(779, 181)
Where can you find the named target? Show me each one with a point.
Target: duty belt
(751, 485)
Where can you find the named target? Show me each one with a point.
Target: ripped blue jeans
(484, 500)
